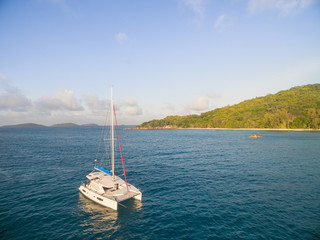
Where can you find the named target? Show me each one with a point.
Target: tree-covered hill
(298, 107)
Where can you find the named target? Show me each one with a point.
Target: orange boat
(255, 136)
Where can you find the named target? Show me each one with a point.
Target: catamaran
(103, 186)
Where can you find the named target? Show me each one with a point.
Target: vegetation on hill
(298, 107)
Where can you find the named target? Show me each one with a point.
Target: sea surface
(196, 184)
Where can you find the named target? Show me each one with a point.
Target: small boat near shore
(255, 136)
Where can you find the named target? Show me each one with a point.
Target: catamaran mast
(112, 136)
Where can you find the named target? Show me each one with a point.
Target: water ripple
(196, 184)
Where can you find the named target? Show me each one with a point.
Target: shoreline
(236, 129)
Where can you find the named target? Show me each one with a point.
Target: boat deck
(120, 194)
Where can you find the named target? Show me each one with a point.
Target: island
(296, 108)
(59, 125)
(24, 125)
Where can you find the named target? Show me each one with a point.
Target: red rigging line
(124, 170)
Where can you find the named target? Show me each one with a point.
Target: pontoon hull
(106, 202)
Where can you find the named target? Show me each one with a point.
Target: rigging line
(102, 134)
(124, 170)
(109, 136)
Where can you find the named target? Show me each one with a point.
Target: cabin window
(100, 199)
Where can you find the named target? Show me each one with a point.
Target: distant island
(24, 125)
(74, 125)
(33, 125)
(296, 108)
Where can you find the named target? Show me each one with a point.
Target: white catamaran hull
(100, 192)
(138, 197)
(98, 198)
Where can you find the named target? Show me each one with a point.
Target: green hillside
(298, 107)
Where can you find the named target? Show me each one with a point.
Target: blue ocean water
(202, 184)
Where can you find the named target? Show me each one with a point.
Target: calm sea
(196, 184)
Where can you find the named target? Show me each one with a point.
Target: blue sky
(59, 58)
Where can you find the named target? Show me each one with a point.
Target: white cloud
(199, 104)
(62, 100)
(11, 98)
(133, 110)
(131, 107)
(94, 103)
(197, 6)
(121, 38)
(130, 102)
(223, 21)
(62, 106)
(283, 7)
(14, 101)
